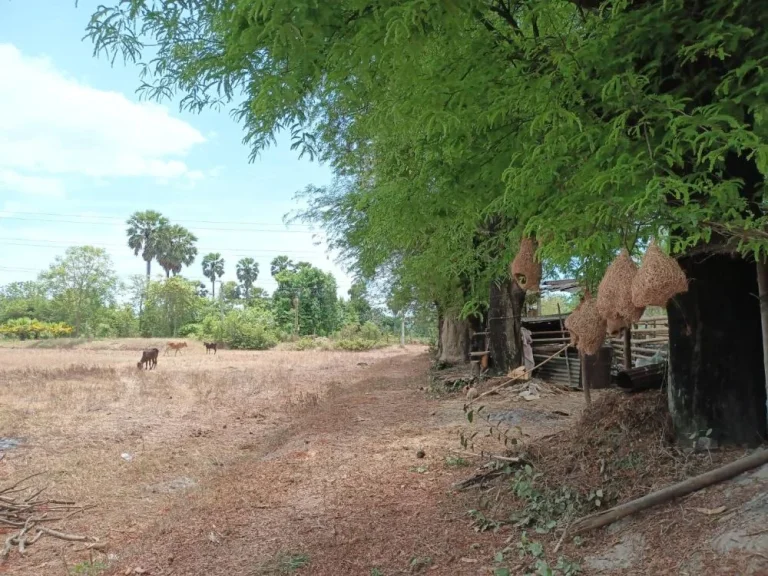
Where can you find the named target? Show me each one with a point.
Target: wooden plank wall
(559, 369)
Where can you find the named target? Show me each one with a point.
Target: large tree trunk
(454, 340)
(716, 376)
(762, 284)
(505, 314)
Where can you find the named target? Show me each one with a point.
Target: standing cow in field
(210, 346)
(148, 359)
(177, 346)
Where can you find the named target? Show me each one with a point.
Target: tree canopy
(175, 248)
(80, 283)
(247, 273)
(213, 267)
(143, 234)
(457, 127)
(80, 295)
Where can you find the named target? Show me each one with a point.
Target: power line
(123, 220)
(269, 281)
(6, 241)
(246, 225)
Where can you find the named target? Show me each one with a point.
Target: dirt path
(340, 488)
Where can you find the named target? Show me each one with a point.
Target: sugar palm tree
(175, 248)
(247, 273)
(142, 234)
(213, 266)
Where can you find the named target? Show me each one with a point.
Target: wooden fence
(648, 336)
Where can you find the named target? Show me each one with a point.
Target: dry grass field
(315, 462)
(78, 410)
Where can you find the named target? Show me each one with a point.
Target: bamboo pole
(585, 380)
(683, 488)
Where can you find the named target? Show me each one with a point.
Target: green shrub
(354, 344)
(193, 330)
(29, 329)
(305, 344)
(118, 323)
(245, 336)
(369, 331)
(248, 329)
(349, 331)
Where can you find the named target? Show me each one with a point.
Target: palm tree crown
(247, 273)
(175, 248)
(142, 234)
(213, 266)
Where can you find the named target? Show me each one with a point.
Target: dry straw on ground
(623, 444)
(614, 296)
(525, 269)
(586, 326)
(658, 279)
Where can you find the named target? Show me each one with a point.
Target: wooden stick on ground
(726, 472)
(508, 382)
(511, 459)
(562, 331)
(585, 380)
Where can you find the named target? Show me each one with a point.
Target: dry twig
(22, 508)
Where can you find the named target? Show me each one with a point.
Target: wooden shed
(549, 335)
(648, 344)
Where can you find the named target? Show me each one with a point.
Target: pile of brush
(29, 517)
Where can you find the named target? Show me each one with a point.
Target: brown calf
(148, 359)
(210, 346)
(177, 346)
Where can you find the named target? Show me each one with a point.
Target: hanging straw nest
(658, 279)
(614, 326)
(586, 326)
(614, 296)
(524, 268)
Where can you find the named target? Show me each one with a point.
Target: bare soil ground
(262, 463)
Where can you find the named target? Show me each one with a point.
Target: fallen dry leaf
(711, 511)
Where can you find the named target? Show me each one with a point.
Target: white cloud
(51, 124)
(34, 185)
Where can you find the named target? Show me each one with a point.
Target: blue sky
(79, 153)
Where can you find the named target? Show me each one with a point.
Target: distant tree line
(81, 295)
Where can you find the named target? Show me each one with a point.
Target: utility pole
(221, 310)
(296, 316)
(221, 300)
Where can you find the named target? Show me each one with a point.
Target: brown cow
(210, 346)
(148, 359)
(177, 346)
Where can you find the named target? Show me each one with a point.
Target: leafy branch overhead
(570, 120)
